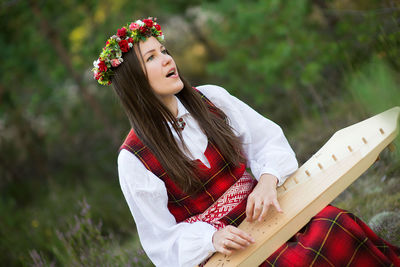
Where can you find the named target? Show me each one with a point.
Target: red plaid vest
(215, 180)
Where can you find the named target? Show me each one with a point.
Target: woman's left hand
(263, 196)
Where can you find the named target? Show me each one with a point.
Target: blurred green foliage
(312, 66)
(376, 87)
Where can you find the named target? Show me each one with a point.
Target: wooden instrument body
(347, 154)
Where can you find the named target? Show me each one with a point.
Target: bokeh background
(312, 66)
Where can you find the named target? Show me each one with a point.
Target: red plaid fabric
(215, 180)
(335, 237)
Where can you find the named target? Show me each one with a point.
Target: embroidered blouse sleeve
(264, 143)
(166, 242)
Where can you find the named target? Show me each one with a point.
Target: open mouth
(171, 73)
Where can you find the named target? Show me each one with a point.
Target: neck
(171, 103)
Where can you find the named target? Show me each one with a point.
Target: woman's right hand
(231, 238)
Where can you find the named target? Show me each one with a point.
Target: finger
(229, 244)
(249, 209)
(277, 206)
(243, 234)
(239, 240)
(264, 212)
(258, 206)
(225, 251)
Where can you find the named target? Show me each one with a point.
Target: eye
(150, 58)
(164, 51)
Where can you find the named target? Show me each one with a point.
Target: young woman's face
(161, 69)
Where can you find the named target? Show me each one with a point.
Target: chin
(179, 86)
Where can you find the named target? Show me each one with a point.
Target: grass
(84, 244)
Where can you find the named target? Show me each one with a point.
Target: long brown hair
(149, 118)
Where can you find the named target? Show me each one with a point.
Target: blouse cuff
(198, 245)
(208, 239)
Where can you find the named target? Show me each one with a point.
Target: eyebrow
(152, 50)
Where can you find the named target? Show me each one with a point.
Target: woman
(182, 167)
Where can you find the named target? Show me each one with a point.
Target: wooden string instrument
(346, 155)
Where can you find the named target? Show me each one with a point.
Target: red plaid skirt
(335, 237)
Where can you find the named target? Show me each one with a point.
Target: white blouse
(168, 243)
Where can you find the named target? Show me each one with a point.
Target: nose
(167, 59)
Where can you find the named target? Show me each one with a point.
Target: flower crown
(111, 55)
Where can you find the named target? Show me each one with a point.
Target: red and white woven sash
(226, 203)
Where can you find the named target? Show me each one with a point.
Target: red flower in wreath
(130, 40)
(102, 66)
(97, 75)
(148, 22)
(143, 30)
(121, 32)
(158, 27)
(124, 45)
